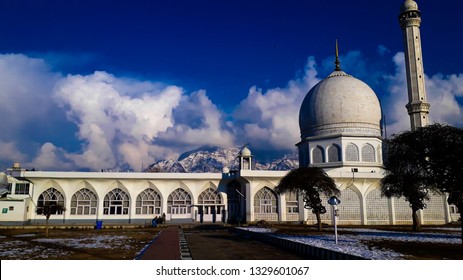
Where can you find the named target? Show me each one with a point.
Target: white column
(363, 210)
(249, 204)
(448, 217)
(99, 210)
(67, 204)
(391, 211)
(281, 208)
(303, 212)
(420, 217)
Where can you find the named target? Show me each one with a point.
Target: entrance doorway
(210, 213)
(236, 203)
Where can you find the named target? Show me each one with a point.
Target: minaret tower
(417, 107)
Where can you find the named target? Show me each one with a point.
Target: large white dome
(340, 105)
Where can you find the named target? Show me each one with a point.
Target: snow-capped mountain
(214, 159)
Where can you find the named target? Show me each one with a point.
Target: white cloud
(394, 102)
(117, 118)
(51, 157)
(9, 152)
(125, 121)
(383, 50)
(442, 92)
(120, 122)
(27, 111)
(270, 119)
(25, 86)
(198, 122)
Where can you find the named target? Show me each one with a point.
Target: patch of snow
(349, 244)
(427, 237)
(25, 235)
(257, 229)
(105, 242)
(61, 248)
(447, 229)
(17, 249)
(354, 242)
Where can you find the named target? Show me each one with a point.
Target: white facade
(243, 195)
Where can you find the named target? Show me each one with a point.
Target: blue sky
(86, 85)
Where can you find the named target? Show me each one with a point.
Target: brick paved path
(165, 247)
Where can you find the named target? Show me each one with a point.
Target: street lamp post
(334, 201)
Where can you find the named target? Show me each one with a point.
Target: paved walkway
(166, 246)
(210, 242)
(215, 243)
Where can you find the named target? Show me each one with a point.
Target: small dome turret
(245, 158)
(16, 165)
(245, 152)
(409, 5)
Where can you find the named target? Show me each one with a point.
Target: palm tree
(310, 182)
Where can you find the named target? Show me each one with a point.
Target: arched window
(116, 202)
(292, 202)
(352, 152)
(349, 209)
(50, 197)
(334, 153)
(317, 155)
(368, 153)
(179, 202)
(148, 202)
(209, 196)
(265, 201)
(84, 202)
(377, 207)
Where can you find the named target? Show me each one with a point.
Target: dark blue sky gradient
(224, 47)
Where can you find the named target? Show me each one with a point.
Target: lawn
(74, 244)
(381, 242)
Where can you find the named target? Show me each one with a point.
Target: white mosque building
(340, 131)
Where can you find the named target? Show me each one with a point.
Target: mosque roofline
(118, 175)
